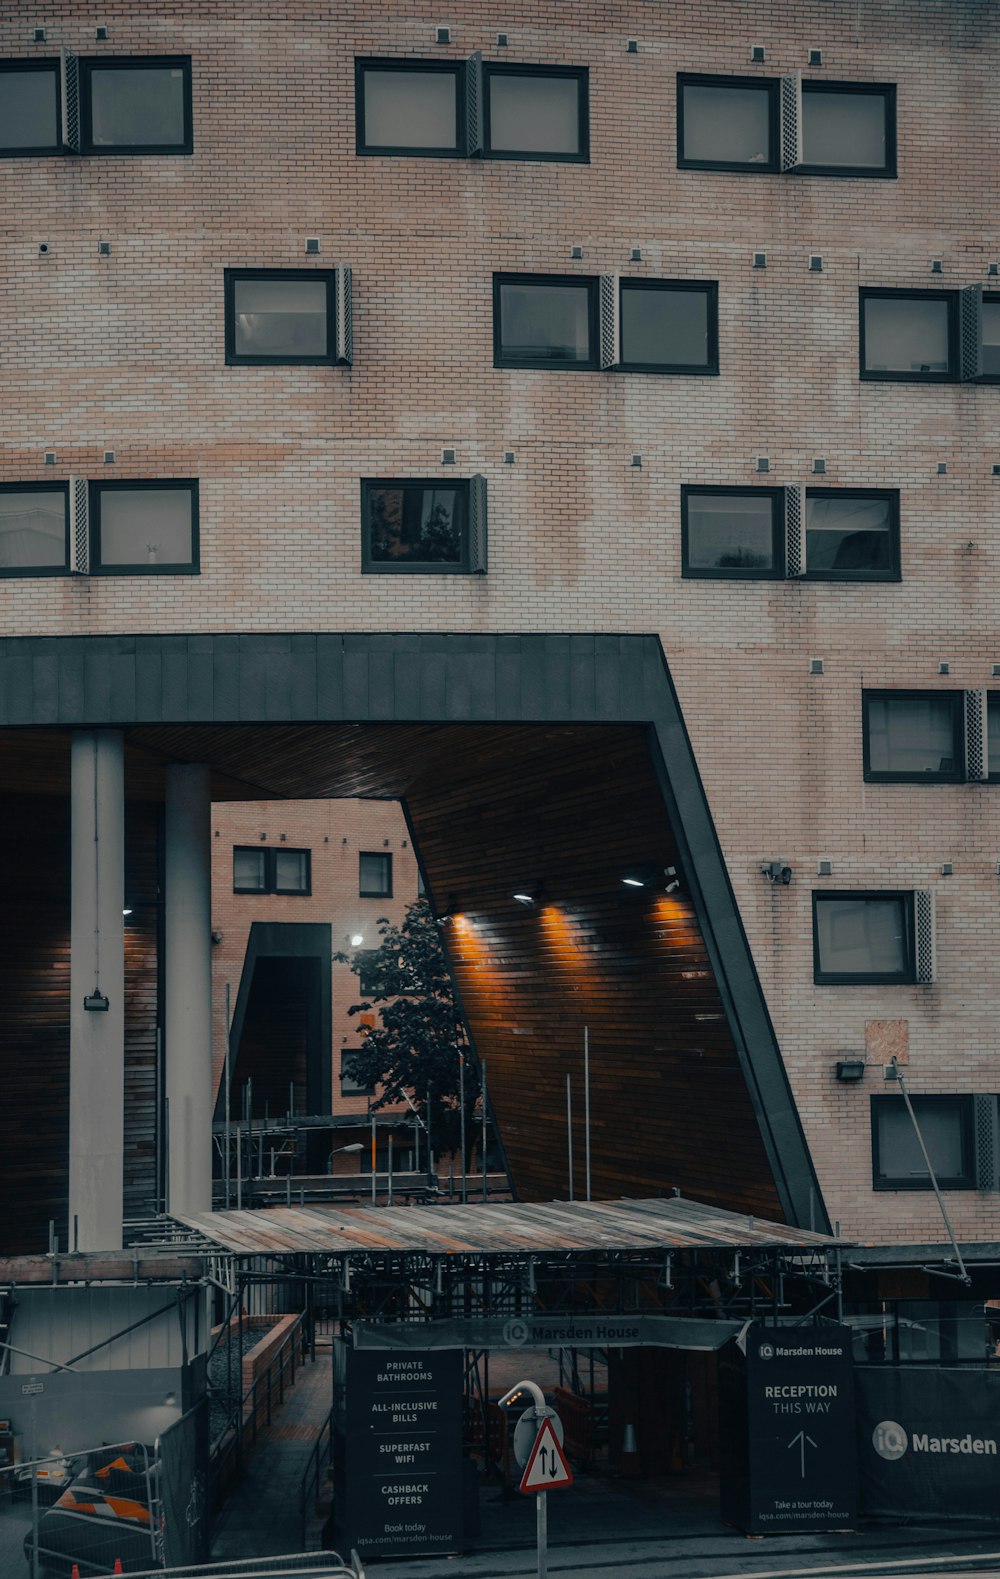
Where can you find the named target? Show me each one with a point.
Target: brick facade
(334, 832)
(125, 353)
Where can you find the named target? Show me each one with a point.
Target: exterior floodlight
(526, 896)
(357, 938)
(850, 1070)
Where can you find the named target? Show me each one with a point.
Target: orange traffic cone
(74, 1572)
(118, 1565)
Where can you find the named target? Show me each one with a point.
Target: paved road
(912, 1559)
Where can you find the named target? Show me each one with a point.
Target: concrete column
(97, 975)
(188, 984)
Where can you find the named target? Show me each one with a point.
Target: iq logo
(889, 1439)
(766, 1351)
(516, 1333)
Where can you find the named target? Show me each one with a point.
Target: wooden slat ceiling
(499, 1228)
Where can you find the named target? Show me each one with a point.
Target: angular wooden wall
(669, 1104)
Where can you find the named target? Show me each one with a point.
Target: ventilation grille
(477, 525)
(972, 331)
(977, 765)
(474, 104)
(985, 1122)
(79, 527)
(70, 73)
(791, 122)
(345, 314)
(795, 537)
(924, 936)
(610, 321)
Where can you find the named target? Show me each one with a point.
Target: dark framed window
(852, 534)
(947, 1127)
(350, 1086)
(909, 336)
(669, 326)
(415, 525)
(732, 532)
(277, 870)
(410, 107)
(536, 112)
(368, 976)
(374, 875)
(913, 737)
(993, 733)
(848, 128)
(991, 338)
(545, 321)
(29, 107)
(280, 316)
(861, 937)
(136, 104)
(727, 123)
(34, 529)
(144, 528)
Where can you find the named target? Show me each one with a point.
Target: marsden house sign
(929, 1437)
(789, 1458)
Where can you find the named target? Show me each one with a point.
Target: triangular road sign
(546, 1469)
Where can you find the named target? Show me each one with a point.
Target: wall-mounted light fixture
(356, 939)
(528, 897)
(96, 1000)
(777, 872)
(850, 1070)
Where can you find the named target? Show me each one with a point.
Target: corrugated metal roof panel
(497, 1228)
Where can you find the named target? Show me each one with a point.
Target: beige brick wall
(126, 353)
(335, 832)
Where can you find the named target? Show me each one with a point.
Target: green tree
(419, 1045)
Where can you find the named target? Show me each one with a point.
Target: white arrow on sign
(547, 1468)
(802, 1439)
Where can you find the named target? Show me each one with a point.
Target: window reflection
(415, 525)
(907, 335)
(849, 534)
(28, 109)
(410, 109)
(546, 323)
(664, 327)
(862, 937)
(730, 531)
(32, 529)
(280, 317)
(844, 128)
(726, 125)
(534, 113)
(911, 735)
(136, 106)
(146, 527)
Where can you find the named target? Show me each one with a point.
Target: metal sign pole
(542, 1531)
(461, 1114)
(586, 1101)
(483, 1141)
(569, 1134)
(228, 1076)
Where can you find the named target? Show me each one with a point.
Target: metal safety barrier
(308, 1565)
